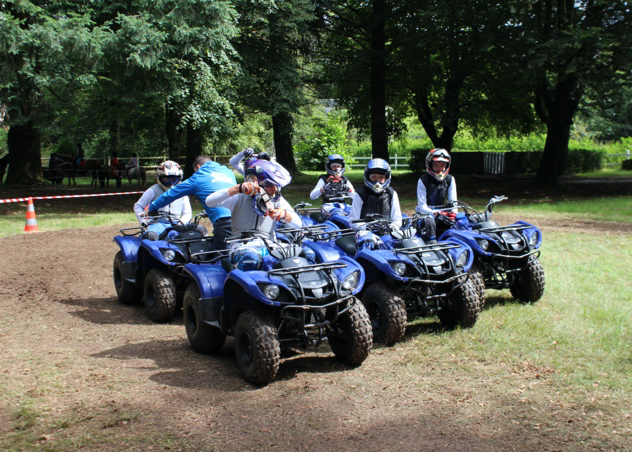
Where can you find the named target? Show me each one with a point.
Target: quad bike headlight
(350, 281)
(533, 240)
(170, 255)
(483, 244)
(462, 259)
(271, 291)
(400, 268)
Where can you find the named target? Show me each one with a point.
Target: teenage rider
(169, 174)
(335, 166)
(436, 188)
(256, 204)
(208, 178)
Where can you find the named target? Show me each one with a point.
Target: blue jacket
(208, 179)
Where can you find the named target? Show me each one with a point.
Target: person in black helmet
(334, 179)
(436, 188)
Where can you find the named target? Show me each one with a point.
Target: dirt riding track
(78, 370)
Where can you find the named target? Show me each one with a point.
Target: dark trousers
(430, 228)
(222, 229)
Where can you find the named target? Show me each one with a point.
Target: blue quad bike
(406, 277)
(284, 300)
(334, 213)
(152, 271)
(505, 257)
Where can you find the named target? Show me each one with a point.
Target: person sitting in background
(133, 162)
(335, 166)
(114, 161)
(169, 174)
(436, 188)
(240, 160)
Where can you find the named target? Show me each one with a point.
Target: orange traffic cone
(31, 222)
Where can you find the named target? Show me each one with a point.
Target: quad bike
(407, 277)
(504, 256)
(152, 270)
(281, 301)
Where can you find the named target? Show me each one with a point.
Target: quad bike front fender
(209, 279)
(250, 284)
(129, 247)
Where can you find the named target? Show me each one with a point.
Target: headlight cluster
(484, 244)
(272, 291)
(533, 240)
(400, 268)
(462, 259)
(350, 281)
(168, 254)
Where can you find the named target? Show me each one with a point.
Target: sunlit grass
(14, 224)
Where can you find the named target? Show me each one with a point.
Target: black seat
(226, 265)
(317, 217)
(347, 244)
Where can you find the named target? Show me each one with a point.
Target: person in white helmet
(436, 188)
(169, 174)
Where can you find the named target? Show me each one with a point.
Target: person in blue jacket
(208, 177)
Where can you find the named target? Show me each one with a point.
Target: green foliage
(329, 139)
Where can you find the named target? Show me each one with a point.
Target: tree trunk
(555, 153)
(115, 137)
(282, 130)
(379, 134)
(174, 134)
(25, 165)
(194, 149)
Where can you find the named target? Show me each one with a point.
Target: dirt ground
(82, 371)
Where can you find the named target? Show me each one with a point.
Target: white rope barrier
(35, 198)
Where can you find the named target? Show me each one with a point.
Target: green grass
(14, 224)
(607, 173)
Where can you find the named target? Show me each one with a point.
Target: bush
(417, 161)
(627, 165)
(584, 161)
(329, 139)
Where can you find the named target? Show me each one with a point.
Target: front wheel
(387, 312)
(257, 347)
(160, 295)
(126, 291)
(351, 339)
(479, 284)
(203, 337)
(464, 307)
(529, 284)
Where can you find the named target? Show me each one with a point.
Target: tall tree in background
(45, 50)
(273, 36)
(571, 45)
(355, 60)
(451, 66)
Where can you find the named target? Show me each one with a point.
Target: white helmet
(438, 155)
(169, 174)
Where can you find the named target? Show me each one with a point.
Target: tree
(570, 46)
(45, 49)
(273, 37)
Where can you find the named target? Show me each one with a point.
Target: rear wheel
(387, 312)
(160, 295)
(203, 337)
(464, 308)
(352, 337)
(257, 347)
(529, 284)
(126, 291)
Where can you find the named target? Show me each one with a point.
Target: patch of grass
(607, 173)
(14, 224)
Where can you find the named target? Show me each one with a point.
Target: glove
(152, 213)
(449, 215)
(247, 153)
(264, 156)
(278, 215)
(248, 188)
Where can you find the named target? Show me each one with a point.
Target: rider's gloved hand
(279, 215)
(152, 213)
(249, 188)
(247, 153)
(448, 214)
